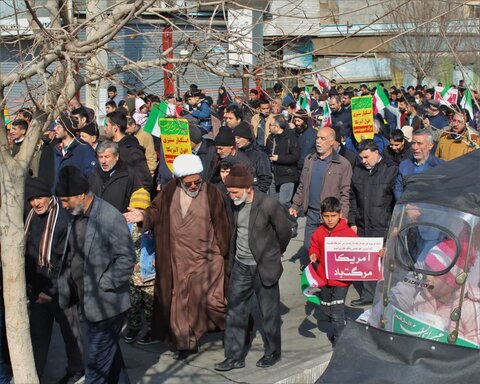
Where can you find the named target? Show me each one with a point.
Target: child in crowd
(143, 278)
(333, 294)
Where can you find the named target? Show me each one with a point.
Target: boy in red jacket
(333, 294)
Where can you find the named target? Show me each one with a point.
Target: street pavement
(305, 346)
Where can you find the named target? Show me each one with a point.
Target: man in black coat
(258, 158)
(371, 201)
(130, 150)
(112, 180)
(261, 234)
(284, 151)
(45, 233)
(339, 113)
(205, 150)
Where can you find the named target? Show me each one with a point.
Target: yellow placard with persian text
(362, 117)
(175, 139)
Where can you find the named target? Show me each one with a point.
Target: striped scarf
(45, 248)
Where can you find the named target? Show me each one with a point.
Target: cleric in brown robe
(192, 231)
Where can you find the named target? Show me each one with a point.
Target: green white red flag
(157, 111)
(309, 283)
(305, 101)
(380, 100)
(466, 102)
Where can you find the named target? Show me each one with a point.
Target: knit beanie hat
(140, 199)
(37, 187)
(225, 138)
(239, 177)
(71, 182)
(67, 123)
(243, 130)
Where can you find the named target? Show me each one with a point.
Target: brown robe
(191, 254)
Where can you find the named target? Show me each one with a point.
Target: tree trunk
(14, 285)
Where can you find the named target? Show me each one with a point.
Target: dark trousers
(368, 290)
(244, 282)
(312, 223)
(333, 306)
(41, 324)
(104, 357)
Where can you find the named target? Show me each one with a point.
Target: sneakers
(147, 339)
(228, 365)
(130, 336)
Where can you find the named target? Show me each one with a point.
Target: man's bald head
(325, 141)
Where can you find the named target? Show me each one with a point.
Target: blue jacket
(79, 154)
(408, 167)
(203, 112)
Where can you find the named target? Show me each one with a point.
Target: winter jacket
(371, 198)
(132, 154)
(449, 148)
(203, 112)
(261, 163)
(336, 182)
(306, 140)
(397, 158)
(208, 155)
(117, 188)
(78, 154)
(317, 246)
(345, 117)
(285, 146)
(408, 167)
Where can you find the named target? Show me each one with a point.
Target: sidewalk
(306, 349)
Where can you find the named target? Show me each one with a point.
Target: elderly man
(45, 231)
(421, 160)
(325, 173)
(96, 267)
(371, 201)
(261, 235)
(112, 180)
(192, 231)
(459, 141)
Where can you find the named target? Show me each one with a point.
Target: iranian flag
(327, 116)
(380, 100)
(304, 102)
(448, 96)
(309, 282)
(466, 102)
(157, 111)
(320, 81)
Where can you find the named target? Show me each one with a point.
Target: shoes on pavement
(183, 354)
(229, 364)
(361, 302)
(147, 339)
(268, 361)
(130, 336)
(72, 378)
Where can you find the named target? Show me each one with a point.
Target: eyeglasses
(192, 183)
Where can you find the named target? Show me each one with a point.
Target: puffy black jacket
(133, 154)
(116, 189)
(371, 198)
(260, 161)
(285, 145)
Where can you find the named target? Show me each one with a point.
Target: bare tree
(425, 26)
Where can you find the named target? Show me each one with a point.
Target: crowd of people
(110, 231)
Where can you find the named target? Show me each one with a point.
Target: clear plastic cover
(431, 276)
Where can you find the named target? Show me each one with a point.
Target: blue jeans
(285, 193)
(104, 357)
